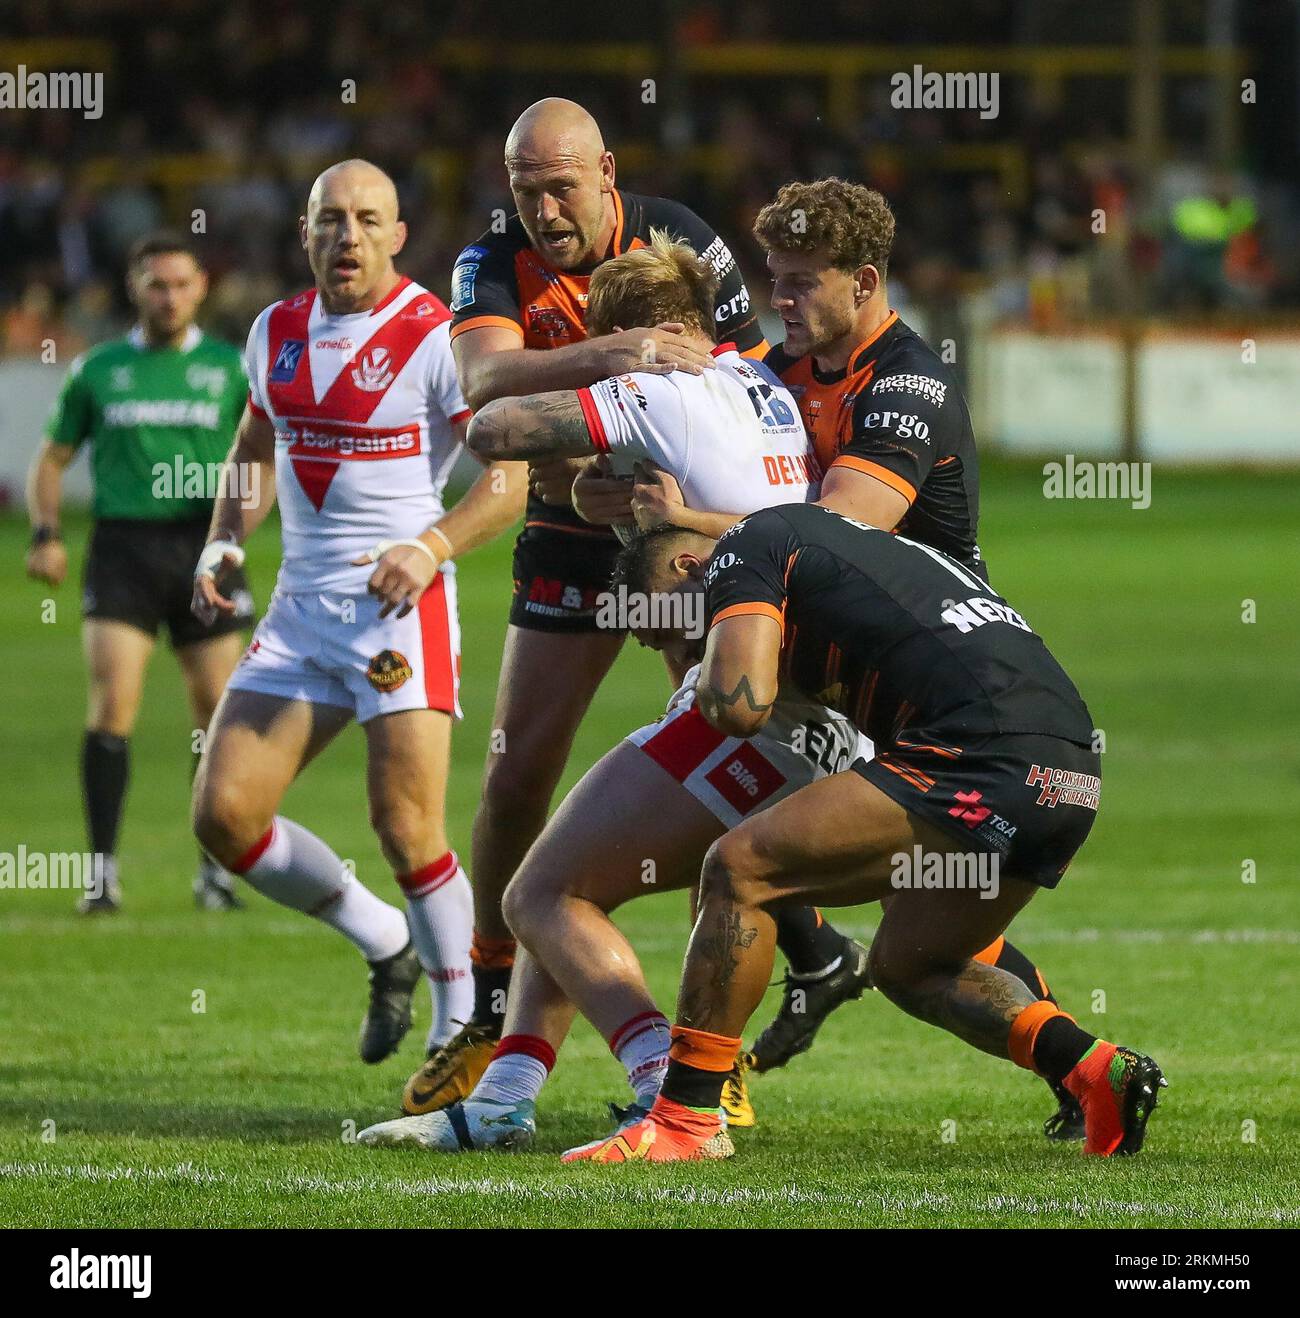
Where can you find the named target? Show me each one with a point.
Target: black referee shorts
(142, 573)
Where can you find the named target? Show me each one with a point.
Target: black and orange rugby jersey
(896, 412)
(500, 279)
(907, 642)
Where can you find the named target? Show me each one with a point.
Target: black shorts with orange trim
(1030, 800)
(561, 566)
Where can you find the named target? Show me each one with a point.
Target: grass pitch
(120, 1105)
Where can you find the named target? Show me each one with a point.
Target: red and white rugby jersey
(363, 408)
(732, 437)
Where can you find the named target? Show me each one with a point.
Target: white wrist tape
(215, 554)
(451, 549)
(375, 554)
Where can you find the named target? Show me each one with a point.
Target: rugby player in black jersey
(984, 776)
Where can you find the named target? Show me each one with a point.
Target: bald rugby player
(354, 418)
(518, 303)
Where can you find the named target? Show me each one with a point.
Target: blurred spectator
(1203, 229)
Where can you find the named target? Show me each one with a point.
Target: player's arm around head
(493, 363)
(246, 493)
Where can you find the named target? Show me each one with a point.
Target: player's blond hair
(664, 281)
(852, 223)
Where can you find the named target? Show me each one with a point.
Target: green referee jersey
(159, 423)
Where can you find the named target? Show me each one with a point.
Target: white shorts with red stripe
(735, 777)
(335, 649)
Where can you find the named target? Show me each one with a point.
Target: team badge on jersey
(388, 670)
(375, 372)
(549, 322)
(286, 362)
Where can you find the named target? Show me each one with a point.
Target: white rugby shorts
(334, 649)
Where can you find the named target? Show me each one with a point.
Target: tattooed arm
(539, 426)
(738, 680)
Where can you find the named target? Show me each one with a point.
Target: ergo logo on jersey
(906, 426)
(720, 563)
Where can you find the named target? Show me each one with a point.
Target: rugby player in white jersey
(641, 819)
(354, 420)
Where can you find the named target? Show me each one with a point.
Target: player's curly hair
(851, 222)
(665, 281)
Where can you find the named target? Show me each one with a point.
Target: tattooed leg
(920, 960)
(829, 843)
(732, 947)
(976, 1004)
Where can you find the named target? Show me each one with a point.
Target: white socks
(292, 866)
(641, 1044)
(440, 912)
(517, 1071)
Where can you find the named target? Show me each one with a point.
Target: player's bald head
(351, 234)
(562, 178)
(553, 131)
(353, 181)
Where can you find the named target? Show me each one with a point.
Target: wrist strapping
(442, 535)
(214, 554)
(375, 554)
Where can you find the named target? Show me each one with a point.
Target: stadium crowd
(230, 110)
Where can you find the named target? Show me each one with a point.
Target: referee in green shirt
(157, 410)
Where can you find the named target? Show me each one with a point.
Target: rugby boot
(388, 1015)
(450, 1073)
(623, 1118)
(735, 1096)
(805, 1005)
(214, 889)
(669, 1132)
(1066, 1123)
(460, 1128)
(1117, 1090)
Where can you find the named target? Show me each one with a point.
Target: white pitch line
(55, 924)
(506, 1188)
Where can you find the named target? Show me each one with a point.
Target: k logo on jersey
(375, 372)
(286, 362)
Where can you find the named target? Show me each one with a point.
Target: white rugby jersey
(732, 437)
(363, 408)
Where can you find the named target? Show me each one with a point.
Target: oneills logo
(388, 670)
